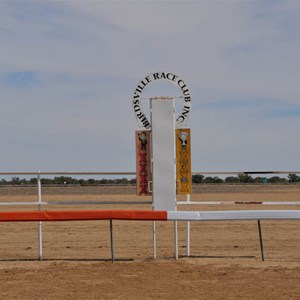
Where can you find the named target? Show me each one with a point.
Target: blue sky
(68, 70)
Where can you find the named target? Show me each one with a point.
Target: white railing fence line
(40, 203)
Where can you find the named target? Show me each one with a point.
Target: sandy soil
(225, 260)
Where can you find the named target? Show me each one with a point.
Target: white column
(163, 153)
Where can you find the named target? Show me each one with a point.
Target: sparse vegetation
(196, 179)
(64, 180)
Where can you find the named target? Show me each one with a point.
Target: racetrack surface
(225, 260)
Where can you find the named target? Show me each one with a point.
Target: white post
(188, 237)
(163, 153)
(154, 239)
(40, 240)
(176, 240)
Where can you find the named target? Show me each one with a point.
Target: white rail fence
(175, 216)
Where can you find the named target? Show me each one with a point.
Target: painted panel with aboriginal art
(183, 161)
(143, 161)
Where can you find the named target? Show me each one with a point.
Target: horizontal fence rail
(41, 215)
(134, 173)
(239, 202)
(246, 172)
(234, 215)
(67, 173)
(84, 215)
(148, 215)
(75, 203)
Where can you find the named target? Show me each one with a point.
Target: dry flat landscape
(225, 261)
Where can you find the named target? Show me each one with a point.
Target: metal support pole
(261, 241)
(154, 239)
(40, 237)
(40, 240)
(111, 241)
(188, 229)
(176, 239)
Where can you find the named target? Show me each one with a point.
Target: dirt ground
(225, 261)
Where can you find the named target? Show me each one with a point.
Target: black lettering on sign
(141, 117)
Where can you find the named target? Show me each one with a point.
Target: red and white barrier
(234, 215)
(239, 202)
(148, 215)
(82, 215)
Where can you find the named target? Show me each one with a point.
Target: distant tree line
(64, 180)
(197, 179)
(244, 178)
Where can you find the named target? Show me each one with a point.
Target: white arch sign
(141, 118)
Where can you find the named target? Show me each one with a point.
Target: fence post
(188, 228)
(176, 239)
(40, 238)
(261, 241)
(111, 240)
(154, 239)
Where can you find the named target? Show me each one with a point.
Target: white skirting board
(234, 215)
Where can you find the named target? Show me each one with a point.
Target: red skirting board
(81, 215)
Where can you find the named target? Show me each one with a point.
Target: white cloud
(240, 60)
